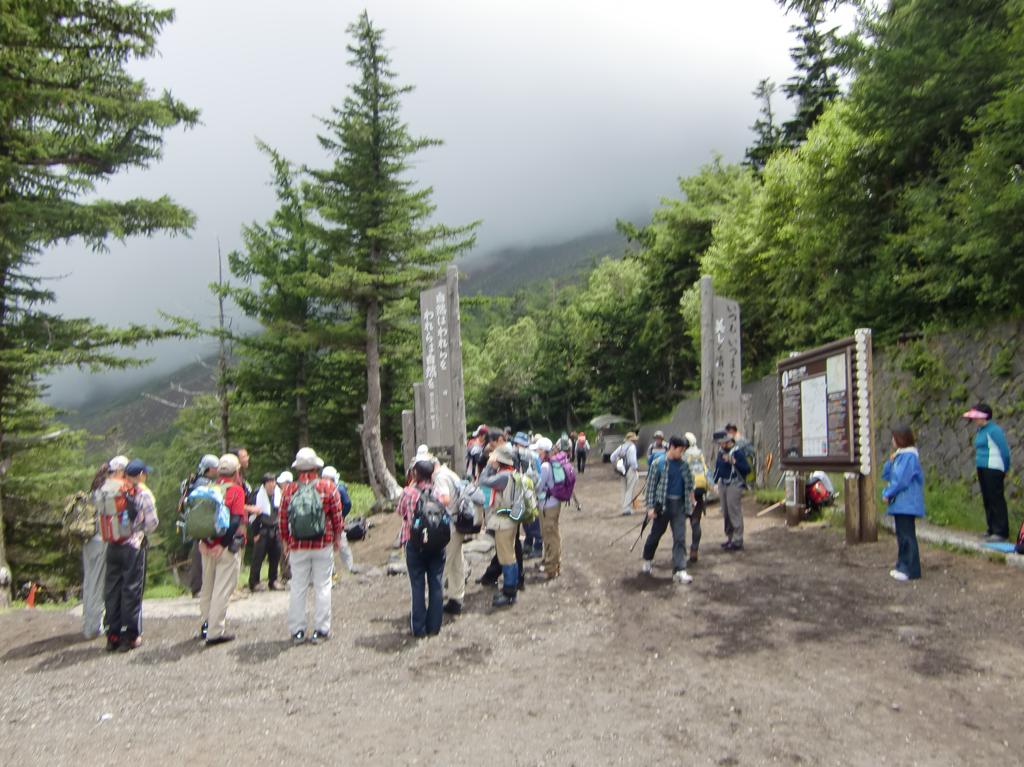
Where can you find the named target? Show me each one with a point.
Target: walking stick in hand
(643, 526)
(631, 529)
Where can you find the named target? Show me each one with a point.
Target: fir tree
(768, 135)
(374, 224)
(70, 118)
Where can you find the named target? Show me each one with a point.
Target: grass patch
(769, 495)
(949, 504)
(362, 499)
(165, 591)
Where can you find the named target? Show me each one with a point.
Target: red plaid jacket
(331, 500)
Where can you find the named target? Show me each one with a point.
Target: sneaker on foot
(319, 636)
(727, 544)
(298, 637)
(201, 636)
(113, 642)
(645, 568)
(897, 575)
(222, 639)
(693, 557)
(453, 607)
(681, 576)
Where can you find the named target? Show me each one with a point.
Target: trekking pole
(576, 501)
(620, 537)
(643, 526)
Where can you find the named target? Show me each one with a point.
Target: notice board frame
(807, 365)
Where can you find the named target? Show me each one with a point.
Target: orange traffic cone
(31, 600)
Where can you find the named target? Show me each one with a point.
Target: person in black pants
(266, 539)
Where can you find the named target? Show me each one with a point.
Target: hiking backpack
(519, 499)
(79, 522)
(205, 514)
(431, 527)
(467, 518)
(117, 512)
(356, 529)
(751, 455)
(306, 518)
(564, 476)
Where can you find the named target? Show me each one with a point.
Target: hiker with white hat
(311, 528)
(94, 554)
(332, 475)
(630, 471)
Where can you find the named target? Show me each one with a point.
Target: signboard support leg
(852, 494)
(868, 518)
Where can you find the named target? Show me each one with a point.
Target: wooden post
(853, 502)
(408, 438)
(455, 350)
(794, 499)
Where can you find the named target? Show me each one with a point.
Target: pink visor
(974, 413)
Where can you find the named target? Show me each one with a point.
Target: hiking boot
(298, 637)
(201, 636)
(483, 580)
(627, 513)
(681, 576)
(258, 587)
(504, 598)
(319, 636)
(727, 544)
(113, 642)
(275, 586)
(646, 567)
(453, 607)
(693, 557)
(130, 644)
(222, 639)
(733, 546)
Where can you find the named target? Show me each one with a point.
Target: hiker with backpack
(216, 515)
(127, 511)
(311, 529)
(426, 532)
(629, 469)
(266, 535)
(746, 447)
(669, 497)
(331, 474)
(205, 474)
(657, 447)
(94, 552)
(527, 465)
(731, 470)
(550, 509)
(508, 502)
(582, 448)
(694, 458)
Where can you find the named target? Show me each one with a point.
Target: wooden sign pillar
(408, 438)
(867, 531)
(721, 375)
(458, 409)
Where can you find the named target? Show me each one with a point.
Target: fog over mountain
(558, 117)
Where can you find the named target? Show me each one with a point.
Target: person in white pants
(627, 452)
(312, 558)
(94, 558)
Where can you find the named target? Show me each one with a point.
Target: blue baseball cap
(521, 439)
(137, 467)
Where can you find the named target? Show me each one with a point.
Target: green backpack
(306, 518)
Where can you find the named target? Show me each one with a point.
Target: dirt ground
(797, 651)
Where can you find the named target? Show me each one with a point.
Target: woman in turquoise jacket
(905, 496)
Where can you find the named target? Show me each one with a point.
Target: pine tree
(70, 118)
(374, 224)
(768, 135)
(819, 60)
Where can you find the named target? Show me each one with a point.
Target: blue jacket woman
(905, 496)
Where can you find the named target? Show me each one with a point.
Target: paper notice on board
(835, 372)
(814, 416)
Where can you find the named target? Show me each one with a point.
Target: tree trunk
(385, 488)
(222, 362)
(636, 409)
(301, 405)
(5, 569)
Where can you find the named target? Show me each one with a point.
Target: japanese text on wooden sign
(437, 371)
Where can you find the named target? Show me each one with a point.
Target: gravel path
(797, 651)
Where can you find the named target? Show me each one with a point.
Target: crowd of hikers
(512, 488)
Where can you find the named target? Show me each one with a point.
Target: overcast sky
(558, 117)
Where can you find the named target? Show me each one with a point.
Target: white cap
(544, 444)
(423, 454)
(229, 465)
(118, 463)
(307, 460)
(330, 472)
(285, 477)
